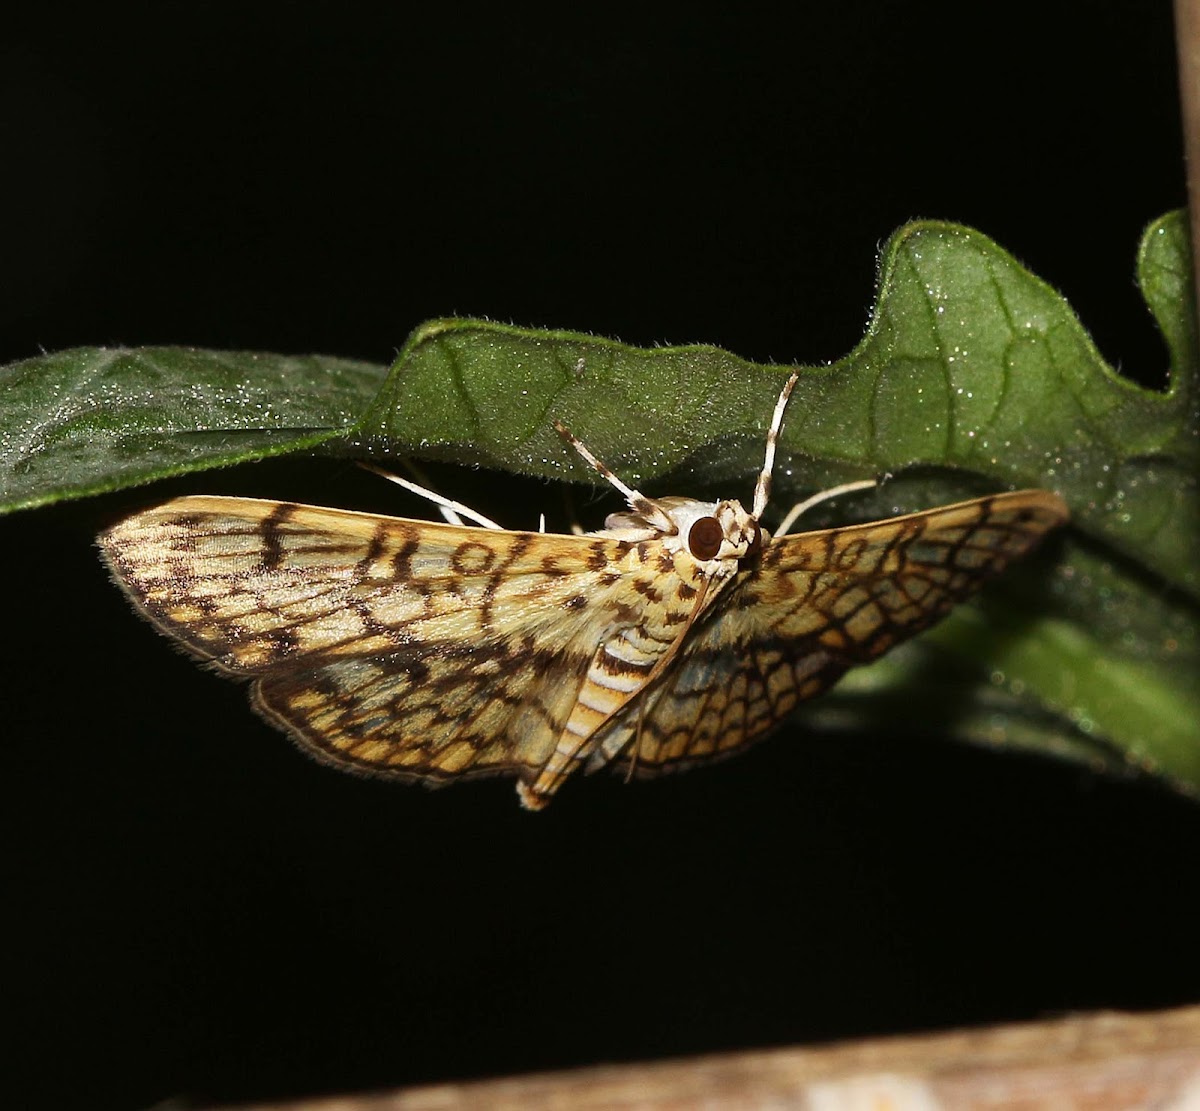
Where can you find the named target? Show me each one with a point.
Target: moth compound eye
(704, 537)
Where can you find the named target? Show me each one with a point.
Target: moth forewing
(250, 583)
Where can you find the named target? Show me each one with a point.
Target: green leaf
(973, 375)
(95, 419)
(970, 364)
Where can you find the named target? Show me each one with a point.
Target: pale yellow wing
(815, 605)
(385, 645)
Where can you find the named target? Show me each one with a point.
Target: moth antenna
(636, 499)
(762, 489)
(447, 505)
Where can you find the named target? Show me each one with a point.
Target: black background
(196, 910)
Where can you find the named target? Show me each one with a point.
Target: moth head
(721, 532)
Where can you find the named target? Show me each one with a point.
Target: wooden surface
(1187, 44)
(1095, 1062)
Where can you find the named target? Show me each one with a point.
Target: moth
(678, 634)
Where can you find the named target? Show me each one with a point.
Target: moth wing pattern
(410, 649)
(398, 717)
(427, 651)
(815, 605)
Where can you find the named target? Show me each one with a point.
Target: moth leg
(450, 509)
(637, 740)
(824, 495)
